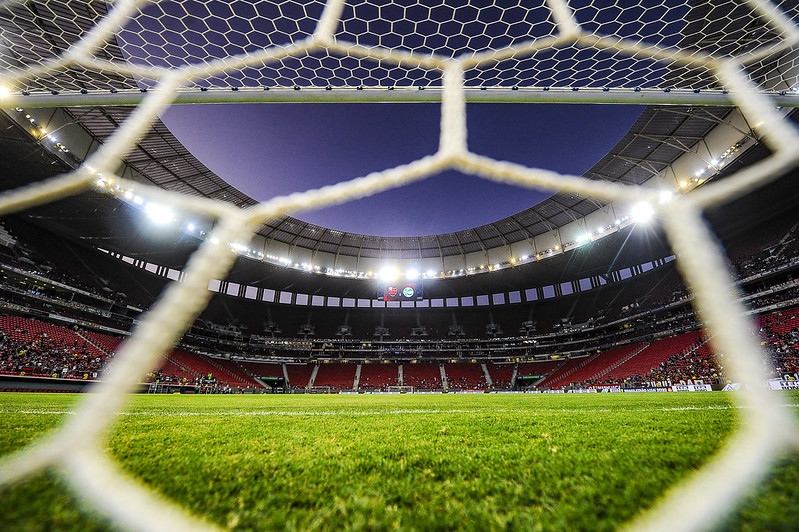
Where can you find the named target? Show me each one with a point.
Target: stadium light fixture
(160, 214)
(388, 274)
(642, 212)
(412, 274)
(665, 196)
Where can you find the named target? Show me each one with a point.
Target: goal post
(79, 53)
(400, 389)
(659, 52)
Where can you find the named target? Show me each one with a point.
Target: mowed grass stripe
(424, 462)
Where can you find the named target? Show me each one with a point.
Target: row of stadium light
(162, 215)
(42, 133)
(714, 165)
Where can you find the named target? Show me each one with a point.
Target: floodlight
(431, 273)
(389, 274)
(642, 212)
(412, 274)
(160, 214)
(665, 196)
(4, 91)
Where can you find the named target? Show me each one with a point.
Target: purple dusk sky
(266, 150)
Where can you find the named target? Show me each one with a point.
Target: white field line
(306, 413)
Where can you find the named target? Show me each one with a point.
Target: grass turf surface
(427, 462)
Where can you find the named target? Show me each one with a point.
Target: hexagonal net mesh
(61, 47)
(253, 46)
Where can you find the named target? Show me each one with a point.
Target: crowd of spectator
(46, 356)
(696, 363)
(781, 330)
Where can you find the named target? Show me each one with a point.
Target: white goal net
(153, 54)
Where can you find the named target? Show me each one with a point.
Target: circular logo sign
(407, 291)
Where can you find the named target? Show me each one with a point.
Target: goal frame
(394, 389)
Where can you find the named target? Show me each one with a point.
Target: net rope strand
(696, 503)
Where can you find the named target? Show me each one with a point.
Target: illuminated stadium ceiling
(660, 136)
(669, 146)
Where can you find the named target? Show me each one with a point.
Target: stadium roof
(660, 136)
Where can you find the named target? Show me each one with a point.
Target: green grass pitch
(410, 462)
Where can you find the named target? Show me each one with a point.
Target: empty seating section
(223, 371)
(107, 343)
(545, 367)
(190, 362)
(170, 371)
(465, 376)
(233, 371)
(378, 376)
(596, 366)
(423, 375)
(338, 376)
(653, 355)
(263, 369)
(299, 374)
(612, 363)
(562, 372)
(501, 375)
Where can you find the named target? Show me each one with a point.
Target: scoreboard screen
(400, 292)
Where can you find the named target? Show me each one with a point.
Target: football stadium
(413, 264)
